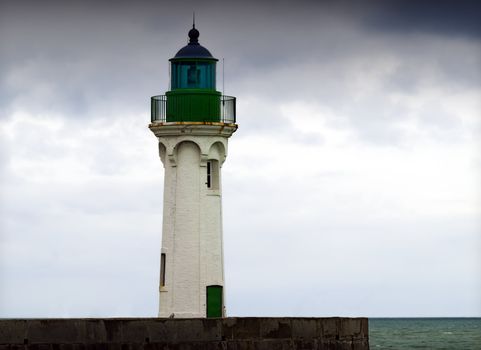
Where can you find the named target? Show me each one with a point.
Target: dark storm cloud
(74, 58)
(442, 17)
(105, 59)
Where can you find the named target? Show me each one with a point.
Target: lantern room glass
(193, 75)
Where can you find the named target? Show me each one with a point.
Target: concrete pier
(184, 334)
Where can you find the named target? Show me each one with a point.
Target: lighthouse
(192, 123)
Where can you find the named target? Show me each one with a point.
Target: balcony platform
(193, 106)
(193, 128)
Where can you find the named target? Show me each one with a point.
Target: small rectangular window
(162, 269)
(215, 174)
(209, 175)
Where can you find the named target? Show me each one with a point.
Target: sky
(351, 188)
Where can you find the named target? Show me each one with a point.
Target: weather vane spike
(193, 19)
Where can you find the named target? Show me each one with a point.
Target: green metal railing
(159, 110)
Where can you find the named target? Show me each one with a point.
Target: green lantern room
(193, 97)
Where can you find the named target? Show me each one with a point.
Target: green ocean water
(425, 333)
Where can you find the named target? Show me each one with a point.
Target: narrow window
(209, 175)
(214, 175)
(162, 269)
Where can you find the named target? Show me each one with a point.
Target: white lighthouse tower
(192, 122)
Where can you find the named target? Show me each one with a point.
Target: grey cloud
(101, 61)
(89, 246)
(75, 59)
(442, 17)
(315, 254)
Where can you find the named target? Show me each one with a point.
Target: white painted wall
(192, 218)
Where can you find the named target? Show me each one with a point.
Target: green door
(214, 301)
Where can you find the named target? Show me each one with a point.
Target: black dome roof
(193, 49)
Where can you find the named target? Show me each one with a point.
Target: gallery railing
(160, 112)
(158, 108)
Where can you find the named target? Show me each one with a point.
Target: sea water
(425, 333)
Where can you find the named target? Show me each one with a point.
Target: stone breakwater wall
(184, 334)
